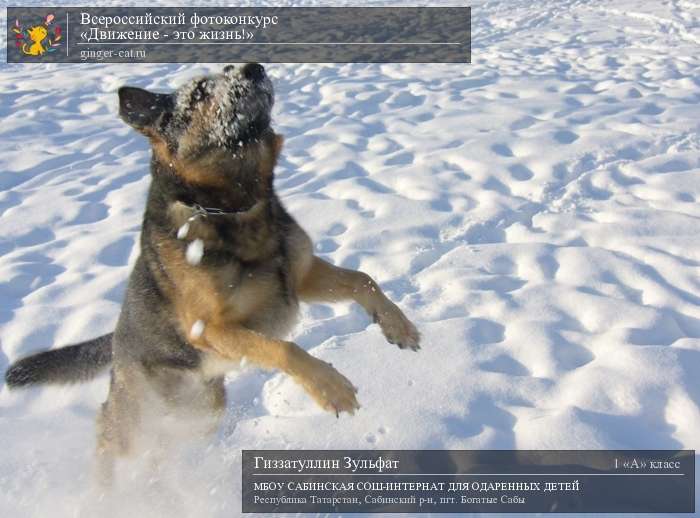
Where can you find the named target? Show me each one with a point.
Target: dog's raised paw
(398, 329)
(329, 388)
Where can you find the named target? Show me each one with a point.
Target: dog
(222, 270)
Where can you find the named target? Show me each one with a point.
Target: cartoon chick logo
(37, 39)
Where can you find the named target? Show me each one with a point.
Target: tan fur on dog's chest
(232, 293)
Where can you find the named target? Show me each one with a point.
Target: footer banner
(465, 481)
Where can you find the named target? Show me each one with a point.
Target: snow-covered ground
(535, 213)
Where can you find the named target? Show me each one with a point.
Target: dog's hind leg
(116, 424)
(324, 282)
(104, 454)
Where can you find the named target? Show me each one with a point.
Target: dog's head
(206, 123)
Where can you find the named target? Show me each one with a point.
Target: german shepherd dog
(222, 270)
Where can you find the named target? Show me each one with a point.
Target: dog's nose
(229, 68)
(254, 71)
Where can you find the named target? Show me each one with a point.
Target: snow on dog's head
(222, 111)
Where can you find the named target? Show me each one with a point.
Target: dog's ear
(140, 108)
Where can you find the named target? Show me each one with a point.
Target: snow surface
(534, 213)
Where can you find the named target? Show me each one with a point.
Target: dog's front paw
(397, 328)
(329, 388)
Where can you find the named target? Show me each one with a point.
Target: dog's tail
(72, 364)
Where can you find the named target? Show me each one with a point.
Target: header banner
(237, 34)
